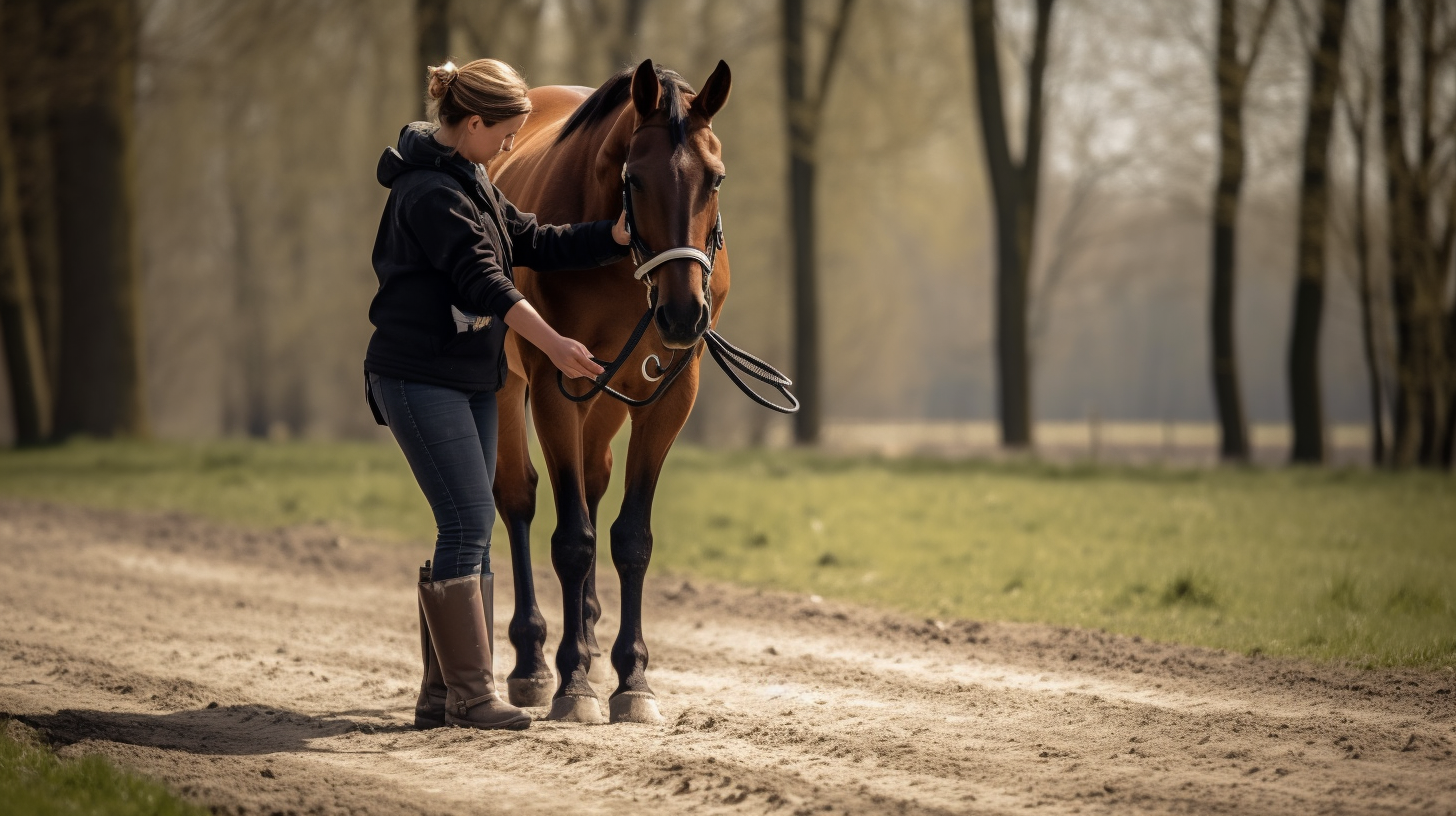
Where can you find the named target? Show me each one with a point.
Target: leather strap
(666, 255)
(464, 706)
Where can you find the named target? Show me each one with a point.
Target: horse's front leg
(603, 421)
(559, 426)
(653, 431)
(530, 682)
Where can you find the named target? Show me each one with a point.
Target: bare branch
(1261, 29)
(831, 56)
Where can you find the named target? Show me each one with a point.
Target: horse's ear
(715, 91)
(646, 91)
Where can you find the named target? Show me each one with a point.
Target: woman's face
(481, 142)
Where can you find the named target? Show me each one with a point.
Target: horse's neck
(606, 151)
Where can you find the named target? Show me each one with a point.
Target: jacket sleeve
(550, 248)
(448, 227)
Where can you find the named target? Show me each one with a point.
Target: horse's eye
(718, 182)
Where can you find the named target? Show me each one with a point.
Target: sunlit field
(1327, 564)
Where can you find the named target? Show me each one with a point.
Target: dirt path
(274, 672)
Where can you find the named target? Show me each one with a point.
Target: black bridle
(723, 352)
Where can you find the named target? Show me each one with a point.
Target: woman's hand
(571, 357)
(619, 230)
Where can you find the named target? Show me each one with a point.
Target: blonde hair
(487, 88)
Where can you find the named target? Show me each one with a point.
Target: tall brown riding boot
(455, 612)
(430, 705)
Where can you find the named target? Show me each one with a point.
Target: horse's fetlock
(632, 653)
(528, 632)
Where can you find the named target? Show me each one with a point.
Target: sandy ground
(275, 672)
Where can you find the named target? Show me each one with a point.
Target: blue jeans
(449, 439)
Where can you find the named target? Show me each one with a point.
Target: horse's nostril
(679, 327)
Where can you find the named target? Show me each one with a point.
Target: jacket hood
(419, 150)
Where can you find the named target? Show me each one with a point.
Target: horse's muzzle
(679, 327)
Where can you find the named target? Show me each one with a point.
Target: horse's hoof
(601, 669)
(530, 692)
(576, 709)
(635, 707)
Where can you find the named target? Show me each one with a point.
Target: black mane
(618, 89)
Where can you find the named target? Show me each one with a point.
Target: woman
(446, 245)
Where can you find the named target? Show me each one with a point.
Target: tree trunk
(1448, 446)
(804, 115)
(1014, 187)
(802, 160)
(1306, 410)
(1367, 287)
(432, 40)
(26, 67)
(624, 48)
(1400, 233)
(1231, 76)
(100, 389)
(20, 332)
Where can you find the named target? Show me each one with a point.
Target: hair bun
(440, 78)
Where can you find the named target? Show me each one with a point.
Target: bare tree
(505, 31)
(1014, 187)
(604, 36)
(1357, 101)
(1421, 208)
(1231, 72)
(19, 326)
(1306, 410)
(26, 67)
(100, 387)
(432, 38)
(804, 114)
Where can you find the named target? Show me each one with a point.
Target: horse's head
(673, 167)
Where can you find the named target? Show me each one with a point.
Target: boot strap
(463, 707)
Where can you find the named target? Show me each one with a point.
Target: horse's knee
(631, 546)
(515, 494)
(573, 549)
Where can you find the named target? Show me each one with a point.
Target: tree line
(1379, 75)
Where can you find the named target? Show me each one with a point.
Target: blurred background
(1257, 188)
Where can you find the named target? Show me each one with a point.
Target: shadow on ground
(222, 730)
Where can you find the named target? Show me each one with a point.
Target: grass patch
(36, 782)
(1327, 564)
(1188, 588)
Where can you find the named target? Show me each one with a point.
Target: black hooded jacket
(448, 238)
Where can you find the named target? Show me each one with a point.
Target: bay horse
(643, 140)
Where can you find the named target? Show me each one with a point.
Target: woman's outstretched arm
(571, 357)
(549, 247)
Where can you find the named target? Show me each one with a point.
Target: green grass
(34, 781)
(1327, 564)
